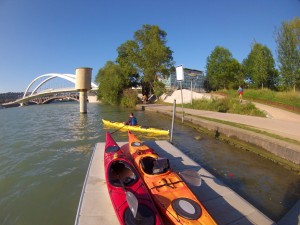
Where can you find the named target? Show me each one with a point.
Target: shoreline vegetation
(287, 100)
(227, 101)
(146, 61)
(226, 105)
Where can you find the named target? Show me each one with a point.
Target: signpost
(180, 78)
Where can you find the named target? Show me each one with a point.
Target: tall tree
(222, 69)
(259, 67)
(288, 50)
(147, 54)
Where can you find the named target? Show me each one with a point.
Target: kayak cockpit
(153, 165)
(121, 171)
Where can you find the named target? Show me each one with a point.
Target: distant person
(132, 121)
(240, 92)
(144, 99)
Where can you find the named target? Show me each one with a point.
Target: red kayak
(129, 195)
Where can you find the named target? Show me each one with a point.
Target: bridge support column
(83, 101)
(83, 84)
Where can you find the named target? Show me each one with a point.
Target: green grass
(226, 105)
(286, 100)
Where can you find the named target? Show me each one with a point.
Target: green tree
(147, 54)
(237, 73)
(112, 81)
(127, 55)
(222, 70)
(288, 51)
(259, 67)
(158, 88)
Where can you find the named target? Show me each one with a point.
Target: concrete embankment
(283, 151)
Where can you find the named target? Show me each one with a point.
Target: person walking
(240, 92)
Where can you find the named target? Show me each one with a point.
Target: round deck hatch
(187, 208)
(136, 144)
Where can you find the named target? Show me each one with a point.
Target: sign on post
(179, 73)
(180, 78)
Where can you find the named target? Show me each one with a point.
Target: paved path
(280, 122)
(277, 114)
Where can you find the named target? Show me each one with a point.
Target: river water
(45, 152)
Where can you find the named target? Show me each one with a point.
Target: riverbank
(275, 139)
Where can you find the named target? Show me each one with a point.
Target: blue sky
(58, 36)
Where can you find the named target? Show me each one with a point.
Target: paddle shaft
(118, 129)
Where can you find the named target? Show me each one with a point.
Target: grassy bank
(285, 100)
(226, 105)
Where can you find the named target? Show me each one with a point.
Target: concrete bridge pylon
(83, 85)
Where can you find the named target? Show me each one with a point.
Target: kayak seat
(119, 172)
(152, 165)
(161, 165)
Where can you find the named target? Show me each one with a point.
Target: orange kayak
(170, 193)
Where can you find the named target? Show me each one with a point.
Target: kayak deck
(223, 204)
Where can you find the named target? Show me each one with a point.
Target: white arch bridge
(35, 94)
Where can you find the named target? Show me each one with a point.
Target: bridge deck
(224, 205)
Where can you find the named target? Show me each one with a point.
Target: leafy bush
(223, 104)
(129, 98)
(247, 108)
